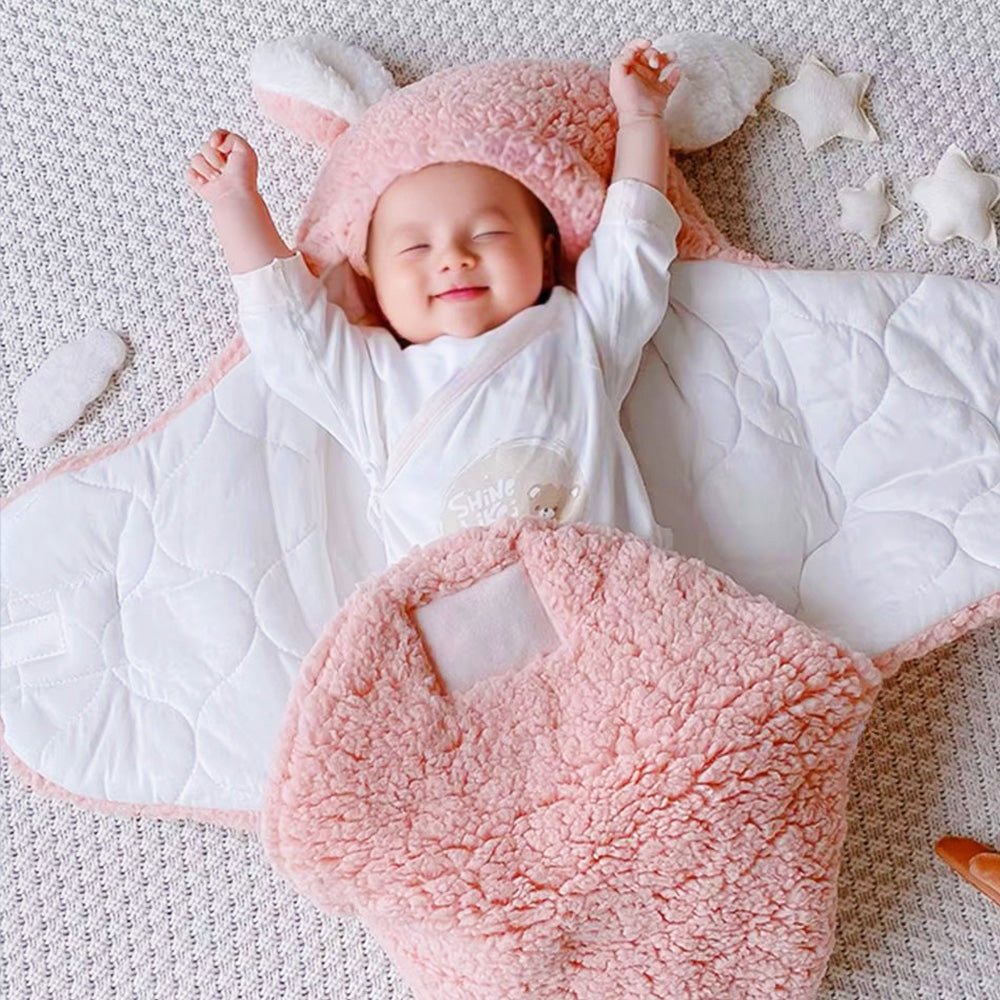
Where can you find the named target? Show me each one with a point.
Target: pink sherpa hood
(554, 132)
(550, 125)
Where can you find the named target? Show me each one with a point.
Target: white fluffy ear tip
(313, 78)
(722, 82)
(55, 395)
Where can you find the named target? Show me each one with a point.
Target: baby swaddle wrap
(826, 439)
(650, 805)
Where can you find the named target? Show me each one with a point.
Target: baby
(491, 390)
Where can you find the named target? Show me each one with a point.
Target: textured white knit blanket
(102, 104)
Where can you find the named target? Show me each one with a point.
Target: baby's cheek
(406, 306)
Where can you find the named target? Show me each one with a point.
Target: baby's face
(455, 226)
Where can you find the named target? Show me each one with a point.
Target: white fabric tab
(34, 639)
(496, 625)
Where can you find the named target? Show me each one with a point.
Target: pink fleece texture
(550, 125)
(653, 810)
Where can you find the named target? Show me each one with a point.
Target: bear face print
(518, 478)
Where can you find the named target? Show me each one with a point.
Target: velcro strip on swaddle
(31, 630)
(493, 626)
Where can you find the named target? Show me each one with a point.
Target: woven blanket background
(102, 102)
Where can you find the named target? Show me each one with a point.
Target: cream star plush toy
(825, 105)
(865, 210)
(957, 199)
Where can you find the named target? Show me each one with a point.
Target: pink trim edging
(233, 818)
(971, 617)
(232, 354)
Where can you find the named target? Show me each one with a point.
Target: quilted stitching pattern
(827, 439)
(190, 576)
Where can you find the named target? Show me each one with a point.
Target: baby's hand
(225, 165)
(635, 84)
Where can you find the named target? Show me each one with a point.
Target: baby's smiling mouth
(462, 293)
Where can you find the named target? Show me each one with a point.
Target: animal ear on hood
(722, 82)
(316, 86)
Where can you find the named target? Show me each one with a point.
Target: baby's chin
(456, 331)
(454, 334)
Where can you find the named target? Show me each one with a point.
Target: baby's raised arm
(224, 173)
(640, 95)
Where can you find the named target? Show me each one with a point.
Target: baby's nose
(457, 253)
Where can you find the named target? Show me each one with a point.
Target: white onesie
(521, 420)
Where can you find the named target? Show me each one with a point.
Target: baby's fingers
(661, 60)
(652, 62)
(627, 56)
(201, 168)
(198, 182)
(212, 154)
(230, 142)
(632, 48)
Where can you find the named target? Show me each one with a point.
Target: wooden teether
(978, 864)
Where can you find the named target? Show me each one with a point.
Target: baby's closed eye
(490, 234)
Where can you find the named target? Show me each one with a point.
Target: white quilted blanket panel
(829, 439)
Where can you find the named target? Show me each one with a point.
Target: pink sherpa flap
(654, 808)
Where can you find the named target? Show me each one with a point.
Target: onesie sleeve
(623, 276)
(309, 354)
